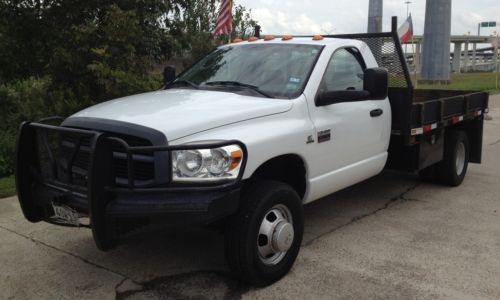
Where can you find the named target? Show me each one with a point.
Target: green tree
(243, 24)
(58, 56)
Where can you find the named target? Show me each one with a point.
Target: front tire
(263, 239)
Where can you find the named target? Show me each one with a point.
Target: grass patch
(7, 186)
(468, 81)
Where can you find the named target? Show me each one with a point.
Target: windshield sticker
(291, 86)
(294, 80)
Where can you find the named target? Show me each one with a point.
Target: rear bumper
(46, 174)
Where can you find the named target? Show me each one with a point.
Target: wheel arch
(288, 168)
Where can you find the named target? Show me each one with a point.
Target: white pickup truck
(245, 137)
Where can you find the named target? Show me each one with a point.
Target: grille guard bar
(36, 190)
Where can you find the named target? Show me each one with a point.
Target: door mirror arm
(168, 75)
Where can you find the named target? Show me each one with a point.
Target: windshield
(273, 70)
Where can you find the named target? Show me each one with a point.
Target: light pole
(407, 8)
(495, 59)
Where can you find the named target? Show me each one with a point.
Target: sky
(351, 16)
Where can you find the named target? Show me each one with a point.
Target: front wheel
(263, 239)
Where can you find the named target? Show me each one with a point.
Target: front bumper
(47, 173)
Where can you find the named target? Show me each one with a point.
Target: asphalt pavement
(388, 237)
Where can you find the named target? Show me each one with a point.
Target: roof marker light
(252, 39)
(317, 37)
(268, 38)
(287, 37)
(237, 40)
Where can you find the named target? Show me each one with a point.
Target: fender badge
(324, 136)
(310, 139)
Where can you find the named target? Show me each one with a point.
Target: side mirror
(376, 82)
(375, 87)
(168, 75)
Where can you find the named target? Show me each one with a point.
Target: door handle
(376, 113)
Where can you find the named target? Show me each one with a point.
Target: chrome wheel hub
(460, 158)
(276, 235)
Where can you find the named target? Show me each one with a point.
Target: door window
(344, 72)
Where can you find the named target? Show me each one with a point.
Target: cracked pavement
(388, 237)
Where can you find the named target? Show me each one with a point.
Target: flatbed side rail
(433, 114)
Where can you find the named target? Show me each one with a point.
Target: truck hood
(181, 112)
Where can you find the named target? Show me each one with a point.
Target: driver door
(349, 135)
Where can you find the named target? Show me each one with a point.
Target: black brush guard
(46, 173)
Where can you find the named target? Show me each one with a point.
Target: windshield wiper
(240, 84)
(182, 82)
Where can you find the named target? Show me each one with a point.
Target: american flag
(224, 23)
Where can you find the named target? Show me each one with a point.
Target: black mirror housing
(376, 82)
(331, 97)
(168, 75)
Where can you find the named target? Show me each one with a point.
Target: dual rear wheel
(452, 169)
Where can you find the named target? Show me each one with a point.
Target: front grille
(143, 164)
(144, 171)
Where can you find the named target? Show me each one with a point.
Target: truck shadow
(176, 261)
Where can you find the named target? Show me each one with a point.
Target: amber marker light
(317, 37)
(287, 37)
(236, 157)
(268, 38)
(237, 40)
(252, 39)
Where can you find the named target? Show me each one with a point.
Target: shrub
(24, 100)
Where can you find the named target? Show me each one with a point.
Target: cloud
(279, 22)
(346, 16)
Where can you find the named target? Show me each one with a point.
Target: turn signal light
(236, 157)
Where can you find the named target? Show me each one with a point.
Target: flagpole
(231, 12)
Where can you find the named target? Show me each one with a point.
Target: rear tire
(263, 239)
(453, 167)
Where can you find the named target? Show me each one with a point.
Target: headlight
(207, 164)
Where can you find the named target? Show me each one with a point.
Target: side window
(344, 71)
